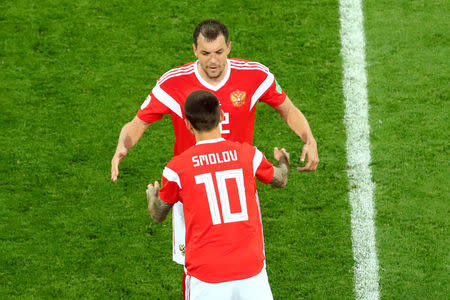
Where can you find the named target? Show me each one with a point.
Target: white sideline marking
(358, 150)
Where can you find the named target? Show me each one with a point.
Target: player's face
(212, 56)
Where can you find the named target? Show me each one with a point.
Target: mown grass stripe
(358, 150)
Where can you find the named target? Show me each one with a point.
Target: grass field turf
(408, 49)
(74, 73)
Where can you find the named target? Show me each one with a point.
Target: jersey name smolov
(214, 158)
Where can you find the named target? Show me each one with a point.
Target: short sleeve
(171, 186)
(274, 96)
(262, 168)
(152, 109)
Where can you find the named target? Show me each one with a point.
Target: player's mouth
(213, 68)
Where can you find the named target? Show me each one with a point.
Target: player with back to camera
(215, 181)
(239, 85)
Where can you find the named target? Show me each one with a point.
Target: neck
(208, 135)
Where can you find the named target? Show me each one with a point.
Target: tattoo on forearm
(163, 208)
(281, 174)
(158, 209)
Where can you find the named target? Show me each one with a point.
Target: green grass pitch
(73, 72)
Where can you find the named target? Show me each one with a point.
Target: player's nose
(213, 59)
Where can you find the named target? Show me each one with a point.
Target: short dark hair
(210, 29)
(202, 109)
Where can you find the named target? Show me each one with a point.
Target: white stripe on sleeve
(170, 175)
(262, 89)
(167, 100)
(257, 159)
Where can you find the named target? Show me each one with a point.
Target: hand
(117, 158)
(278, 154)
(152, 191)
(309, 151)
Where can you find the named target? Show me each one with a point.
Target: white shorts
(256, 287)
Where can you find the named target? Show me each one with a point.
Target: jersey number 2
(226, 121)
(221, 178)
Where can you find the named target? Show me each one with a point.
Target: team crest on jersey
(182, 248)
(238, 98)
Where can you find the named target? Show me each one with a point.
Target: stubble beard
(212, 75)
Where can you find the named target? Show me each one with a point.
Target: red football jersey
(215, 181)
(244, 84)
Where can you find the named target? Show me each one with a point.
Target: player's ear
(189, 126)
(194, 48)
(229, 47)
(222, 116)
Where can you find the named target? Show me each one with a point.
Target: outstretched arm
(281, 172)
(298, 123)
(129, 136)
(157, 208)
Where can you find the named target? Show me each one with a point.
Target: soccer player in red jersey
(238, 84)
(215, 181)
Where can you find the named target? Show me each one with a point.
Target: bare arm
(298, 123)
(157, 208)
(129, 135)
(281, 172)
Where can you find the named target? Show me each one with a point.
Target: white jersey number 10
(221, 178)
